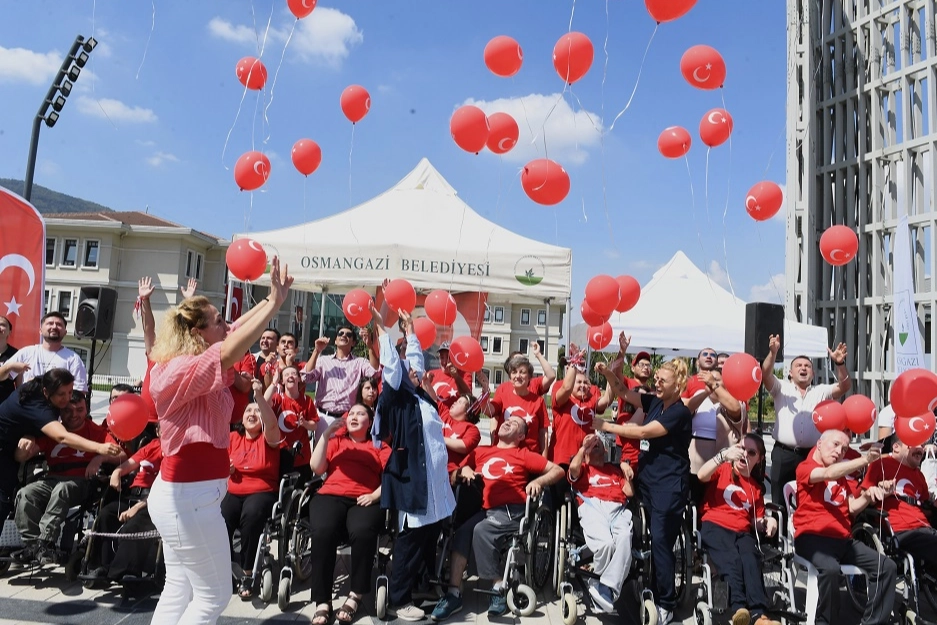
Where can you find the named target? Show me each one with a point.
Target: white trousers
(607, 527)
(195, 549)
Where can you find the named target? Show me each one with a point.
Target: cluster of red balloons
(839, 245)
(246, 259)
(127, 417)
(857, 414)
(605, 295)
(473, 131)
(913, 398)
(764, 200)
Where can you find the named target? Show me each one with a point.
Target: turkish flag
(22, 267)
(234, 306)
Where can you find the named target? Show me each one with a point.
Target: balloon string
(265, 122)
(725, 211)
(254, 122)
(637, 81)
(699, 236)
(231, 129)
(706, 190)
(351, 149)
(263, 42)
(605, 65)
(305, 218)
(150, 36)
(588, 115)
(94, 9)
(543, 126)
(529, 127)
(571, 14)
(276, 74)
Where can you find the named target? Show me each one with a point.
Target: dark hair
(511, 356)
(274, 330)
(472, 416)
(366, 407)
(53, 313)
(721, 355)
(804, 357)
(120, 387)
(9, 323)
(359, 395)
(758, 471)
(288, 335)
(519, 362)
(346, 326)
(48, 383)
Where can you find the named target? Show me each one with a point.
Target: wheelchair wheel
(380, 601)
(683, 570)
(266, 586)
(540, 552)
(301, 548)
(522, 600)
(283, 594)
(857, 585)
(702, 614)
(648, 612)
(562, 549)
(570, 615)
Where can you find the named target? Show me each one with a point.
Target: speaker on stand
(761, 321)
(94, 319)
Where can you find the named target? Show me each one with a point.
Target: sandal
(322, 616)
(348, 610)
(245, 589)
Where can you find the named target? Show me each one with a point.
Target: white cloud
(548, 120)
(717, 274)
(102, 50)
(147, 143)
(325, 37)
(48, 168)
(115, 110)
(161, 157)
(771, 291)
(22, 65)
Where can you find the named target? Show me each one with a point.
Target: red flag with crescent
(22, 267)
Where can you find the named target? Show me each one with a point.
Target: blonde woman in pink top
(195, 353)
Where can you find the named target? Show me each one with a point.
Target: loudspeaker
(761, 321)
(95, 316)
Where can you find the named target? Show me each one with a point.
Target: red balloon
(425, 331)
(839, 245)
(674, 142)
(860, 413)
(246, 259)
(357, 307)
(668, 10)
(127, 416)
(630, 293)
(703, 67)
(301, 8)
(400, 295)
(503, 56)
(828, 415)
(545, 181)
(502, 133)
(251, 170)
(603, 294)
(251, 72)
(715, 127)
(914, 392)
(916, 430)
(440, 306)
(591, 317)
(572, 56)
(306, 156)
(600, 336)
(356, 102)
(466, 354)
(469, 128)
(764, 200)
(741, 376)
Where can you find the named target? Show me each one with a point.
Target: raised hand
(322, 343)
(623, 342)
(838, 356)
(145, 287)
(189, 289)
(774, 344)
(280, 281)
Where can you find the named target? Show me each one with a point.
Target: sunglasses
(707, 354)
(751, 453)
(345, 333)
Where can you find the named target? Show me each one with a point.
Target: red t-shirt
(855, 476)
(531, 408)
(909, 483)
(445, 387)
(354, 468)
(241, 399)
(693, 386)
(288, 411)
(461, 430)
(148, 458)
(572, 421)
(64, 461)
(506, 471)
(600, 482)
(145, 393)
(256, 465)
(822, 508)
(733, 501)
(630, 447)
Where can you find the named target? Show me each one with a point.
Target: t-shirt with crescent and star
(530, 407)
(572, 421)
(600, 482)
(733, 501)
(822, 508)
(909, 483)
(288, 412)
(506, 472)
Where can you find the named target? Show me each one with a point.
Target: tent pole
(323, 295)
(546, 333)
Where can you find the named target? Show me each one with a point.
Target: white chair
(813, 592)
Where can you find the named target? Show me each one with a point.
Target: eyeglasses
(345, 333)
(707, 354)
(751, 453)
(643, 363)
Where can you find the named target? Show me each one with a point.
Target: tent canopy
(422, 231)
(682, 310)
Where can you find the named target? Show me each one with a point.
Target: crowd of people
(398, 448)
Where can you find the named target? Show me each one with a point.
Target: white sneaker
(664, 616)
(408, 612)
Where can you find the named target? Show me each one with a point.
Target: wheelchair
(571, 576)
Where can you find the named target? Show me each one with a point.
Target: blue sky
(158, 118)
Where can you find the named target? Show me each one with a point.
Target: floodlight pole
(41, 116)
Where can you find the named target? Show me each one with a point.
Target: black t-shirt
(17, 421)
(6, 386)
(667, 457)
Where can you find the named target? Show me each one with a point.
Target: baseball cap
(443, 346)
(640, 356)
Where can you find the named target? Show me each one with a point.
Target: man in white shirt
(794, 400)
(51, 354)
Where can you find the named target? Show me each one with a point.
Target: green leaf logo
(902, 337)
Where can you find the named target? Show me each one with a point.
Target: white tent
(422, 231)
(681, 310)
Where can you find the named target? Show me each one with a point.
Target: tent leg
(761, 407)
(322, 298)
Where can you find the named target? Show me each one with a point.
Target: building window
(523, 345)
(65, 303)
(499, 376)
(487, 314)
(499, 314)
(496, 345)
(47, 306)
(542, 317)
(487, 373)
(83, 354)
(50, 252)
(484, 343)
(70, 253)
(525, 316)
(543, 347)
(90, 258)
(193, 265)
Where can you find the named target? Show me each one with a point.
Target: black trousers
(247, 513)
(737, 559)
(827, 554)
(135, 557)
(783, 470)
(413, 549)
(921, 543)
(665, 504)
(333, 518)
(108, 522)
